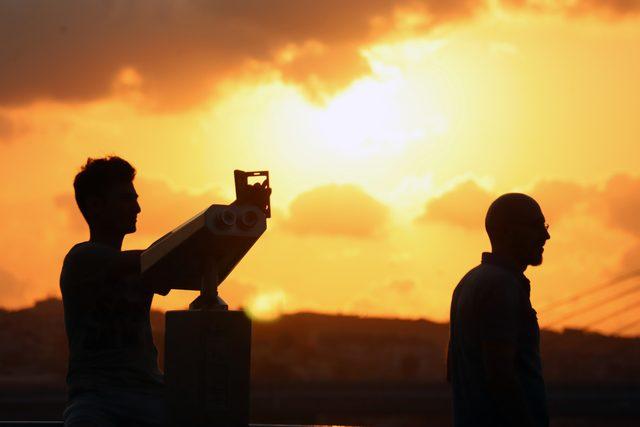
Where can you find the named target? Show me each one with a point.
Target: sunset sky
(387, 126)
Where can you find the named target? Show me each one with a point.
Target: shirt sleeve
(498, 310)
(86, 269)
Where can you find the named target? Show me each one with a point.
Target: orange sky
(388, 127)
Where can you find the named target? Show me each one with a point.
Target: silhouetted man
(113, 377)
(494, 355)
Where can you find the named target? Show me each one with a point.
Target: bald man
(494, 346)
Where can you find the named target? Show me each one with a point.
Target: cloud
(237, 293)
(72, 50)
(609, 8)
(616, 204)
(163, 207)
(10, 129)
(612, 8)
(14, 290)
(631, 260)
(7, 129)
(465, 205)
(67, 204)
(401, 287)
(619, 203)
(175, 52)
(559, 198)
(339, 210)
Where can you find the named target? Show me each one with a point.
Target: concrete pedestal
(207, 364)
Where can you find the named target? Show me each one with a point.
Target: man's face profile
(118, 210)
(529, 236)
(517, 227)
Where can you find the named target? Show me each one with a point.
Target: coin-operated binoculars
(208, 347)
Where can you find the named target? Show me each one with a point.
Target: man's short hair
(97, 176)
(506, 210)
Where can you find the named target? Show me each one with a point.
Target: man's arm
(128, 264)
(504, 387)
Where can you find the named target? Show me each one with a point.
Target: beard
(536, 258)
(132, 228)
(129, 226)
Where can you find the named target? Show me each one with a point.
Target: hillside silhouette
(317, 348)
(312, 368)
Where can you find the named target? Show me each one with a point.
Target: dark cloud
(609, 8)
(74, 50)
(163, 207)
(465, 206)
(342, 210)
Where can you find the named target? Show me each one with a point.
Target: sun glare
(376, 120)
(266, 306)
(381, 114)
(365, 120)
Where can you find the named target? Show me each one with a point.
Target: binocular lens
(227, 218)
(248, 219)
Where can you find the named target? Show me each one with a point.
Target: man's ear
(506, 235)
(94, 206)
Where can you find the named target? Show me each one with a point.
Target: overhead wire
(594, 305)
(621, 310)
(554, 305)
(627, 326)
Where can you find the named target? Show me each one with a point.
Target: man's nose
(138, 209)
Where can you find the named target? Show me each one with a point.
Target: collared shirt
(491, 303)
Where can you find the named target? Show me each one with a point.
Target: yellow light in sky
(266, 306)
(380, 114)
(364, 120)
(129, 76)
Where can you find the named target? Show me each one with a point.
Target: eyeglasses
(533, 224)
